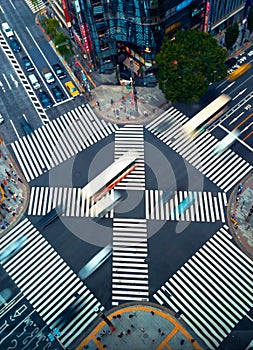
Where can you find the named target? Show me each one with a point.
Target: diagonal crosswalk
(213, 290)
(59, 140)
(48, 283)
(206, 206)
(131, 138)
(129, 266)
(225, 169)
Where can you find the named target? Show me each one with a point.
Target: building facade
(108, 31)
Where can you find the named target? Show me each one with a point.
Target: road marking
(14, 128)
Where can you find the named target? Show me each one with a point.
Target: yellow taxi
(71, 88)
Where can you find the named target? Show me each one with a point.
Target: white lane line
(12, 124)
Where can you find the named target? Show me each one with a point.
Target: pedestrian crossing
(35, 6)
(59, 140)
(213, 290)
(129, 265)
(44, 199)
(131, 138)
(205, 207)
(225, 169)
(51, 287)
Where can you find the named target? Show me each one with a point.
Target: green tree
(63, 45)
(231, 35)
(250, 19)
(188, 64)
(52, 26)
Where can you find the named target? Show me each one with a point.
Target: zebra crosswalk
(44, 199)
(225, 169)
(35, 6)
(206, 206)
(59, 140)
(213, 290)
(131, 138)
(48, 283)
(129, 266)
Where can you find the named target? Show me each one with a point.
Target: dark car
(58, 94)
(45, 99)
(15, 45)
(28, 64)
(26, 127)
(59, 71)
(230, 62)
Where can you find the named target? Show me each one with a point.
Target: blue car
(45, 99)
(15, 45)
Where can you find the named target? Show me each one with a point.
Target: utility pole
(133, 86)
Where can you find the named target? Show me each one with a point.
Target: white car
(7, 30)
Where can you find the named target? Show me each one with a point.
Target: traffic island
(144, 326)
(14, 191)
(240, 210)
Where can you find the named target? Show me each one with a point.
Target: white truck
(48, 75)
(7, 30)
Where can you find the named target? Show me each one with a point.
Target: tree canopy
(187, 64)
(231, 35)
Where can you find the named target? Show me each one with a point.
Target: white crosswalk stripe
(44, 199)
(131, 138)
(35, 6)
(225, 169)
(206, 206)
(59, 140)
(129, 266)
(52, 288)
(212, 290)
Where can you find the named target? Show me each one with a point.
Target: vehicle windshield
(73, 89)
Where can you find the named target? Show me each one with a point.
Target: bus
(227, 141)
(239, 71)
(206, 116)
(104, 205)
(110, 177)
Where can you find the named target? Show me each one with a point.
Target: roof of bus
(108, 174)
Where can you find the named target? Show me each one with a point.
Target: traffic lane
(8, 289)
(22, 328)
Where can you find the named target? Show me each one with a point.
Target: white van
(7, 30)
(34, 81)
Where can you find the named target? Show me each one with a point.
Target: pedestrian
(10, 165)
(159, 330)
(114, 316)
(162, 334)
(128, 331)
(152, 313)
(248, 227)
(192, 340)
(20, 180)
(182, 342)
(104, 346)
(104, 331)
(119, 316)
(98, 338)
(132, 326)
(111, 101)
(119, 335)
(98, 104)
(153, 341)
(130, 316)
(142, 329)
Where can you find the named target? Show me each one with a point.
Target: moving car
(12, 249)
(230, 62)
(7, 30)
(58, 94)
(45, 99)
(59, 71)
(26, 127)
(28, 64)
(34, 81)
(50, 217)
(15, 45)
(71, 88)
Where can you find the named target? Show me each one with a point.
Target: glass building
(110, 33)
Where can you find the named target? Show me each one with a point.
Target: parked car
(58, 94)
(71, 88)
(26, 127)
(59, 71)
(15, 45)
(28, 64)
(45, 99)
(48, 75)
(7, 30)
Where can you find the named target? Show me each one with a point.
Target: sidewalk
(14, 191)
(240, 222)
(116, 104)
(141, 327)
